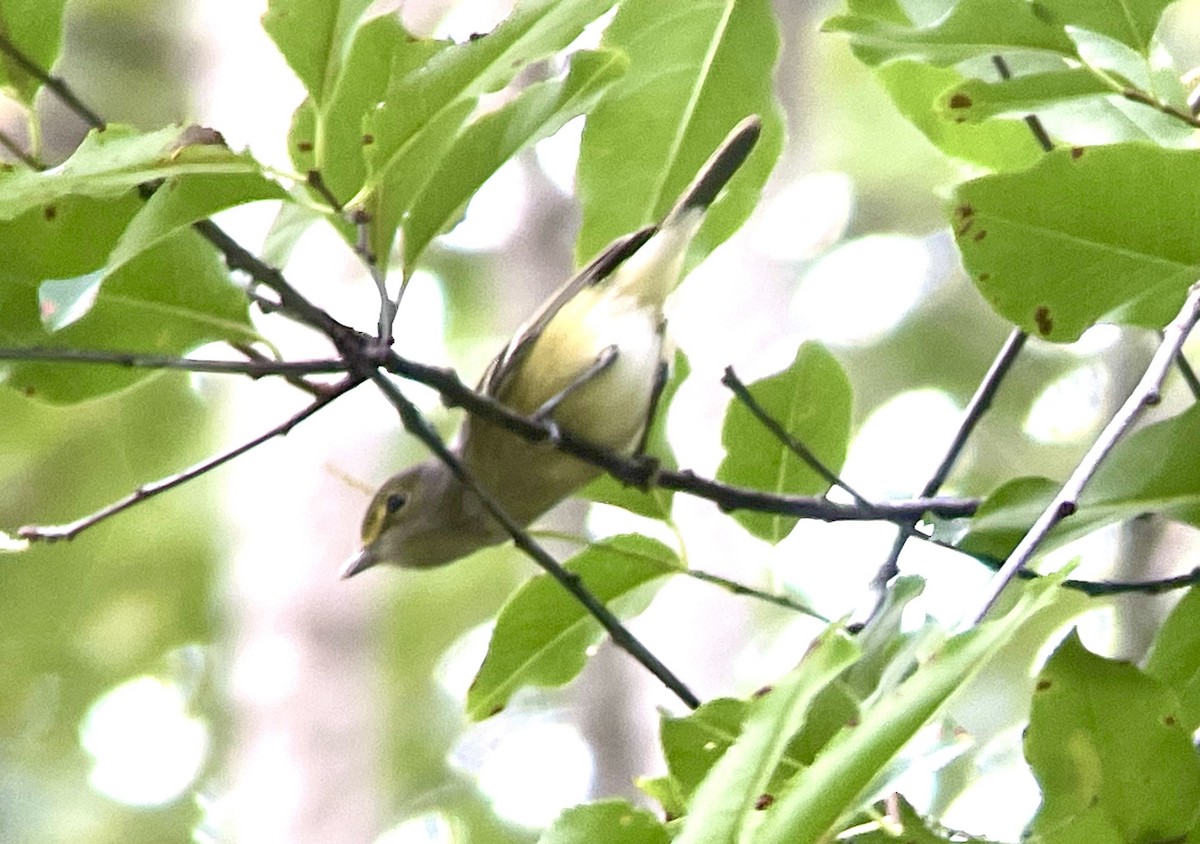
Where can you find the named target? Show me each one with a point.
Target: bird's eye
(395, 501)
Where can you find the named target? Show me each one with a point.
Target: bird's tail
(719, 168)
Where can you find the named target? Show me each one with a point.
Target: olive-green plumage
(591, 358)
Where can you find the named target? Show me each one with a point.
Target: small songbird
(592, 361)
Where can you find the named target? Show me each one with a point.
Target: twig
(18, 153)
(54, 533)
(58, 86)
(1145, 394)
(298, 381)
(1138, 96)
(417, 425)
(362, 245)
(1187, 373)
(739, 389)
(737, 588)
(979, 404)
(255, 368)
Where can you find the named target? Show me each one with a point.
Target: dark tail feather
(720, 166)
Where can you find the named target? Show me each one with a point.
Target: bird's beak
(361, 561)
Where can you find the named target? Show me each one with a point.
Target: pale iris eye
(395, 501)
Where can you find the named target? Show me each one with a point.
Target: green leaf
(725, 805)
(1107, 747)
(811, 400)
(328, 136)
(1130, 23)
(1154, 470)
(654, 503)
(183, 200)
(166, 301)
(904, 825)
(314, 37)
(692, 77)
(974, 100)
(1034, 241)
(918, 90)
(610, 821)
(692, 744)
(539, 111)
(110, 162)
(35, 28)
(543, 633)
(1175, 658)
(833, 785)
(424, 109)
(971, 28)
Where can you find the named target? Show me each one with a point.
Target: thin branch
(1144, 395)
(736, 588)
(1138, 96)
(416, 425)
(18, 152)
(979, 404)
(256, 368)
(298, 381)
(58, 86)
(54, 533)
(739, 389)
(362, 245)
(1187, 373)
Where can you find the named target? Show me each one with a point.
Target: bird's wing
(601, 267)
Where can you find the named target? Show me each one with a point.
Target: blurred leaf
(538, 112)
(1154, 470)
(918, 91)
(110, 162)
(974, 100)
(1175, 657)
(971, 28)
(1033, 240)
(1132, 24)
(834, 784)
(424, 109)
(691, 79)
(1107, 747)
(168, 300)
(656, 502)
(811, 400)
(35, 28)
(726, 802)
(900, 822)
(543, 634)
(314, 37)
(610, 821)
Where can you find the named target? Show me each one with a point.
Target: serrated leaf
(727, 802)
(111, 162)
(1035, 241)
(1108, 749)
(479, 150)
(543, 633)
(1175, 657)
(610, 821)
(692, 77)
(655, 503)
(833, 785)
(35, 28)
(811, 400)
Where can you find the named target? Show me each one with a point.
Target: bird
(591, 360)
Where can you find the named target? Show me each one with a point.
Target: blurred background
(194, 670)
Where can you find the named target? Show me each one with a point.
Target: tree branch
(54, 533)
(1144, 395)
(255, 368)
